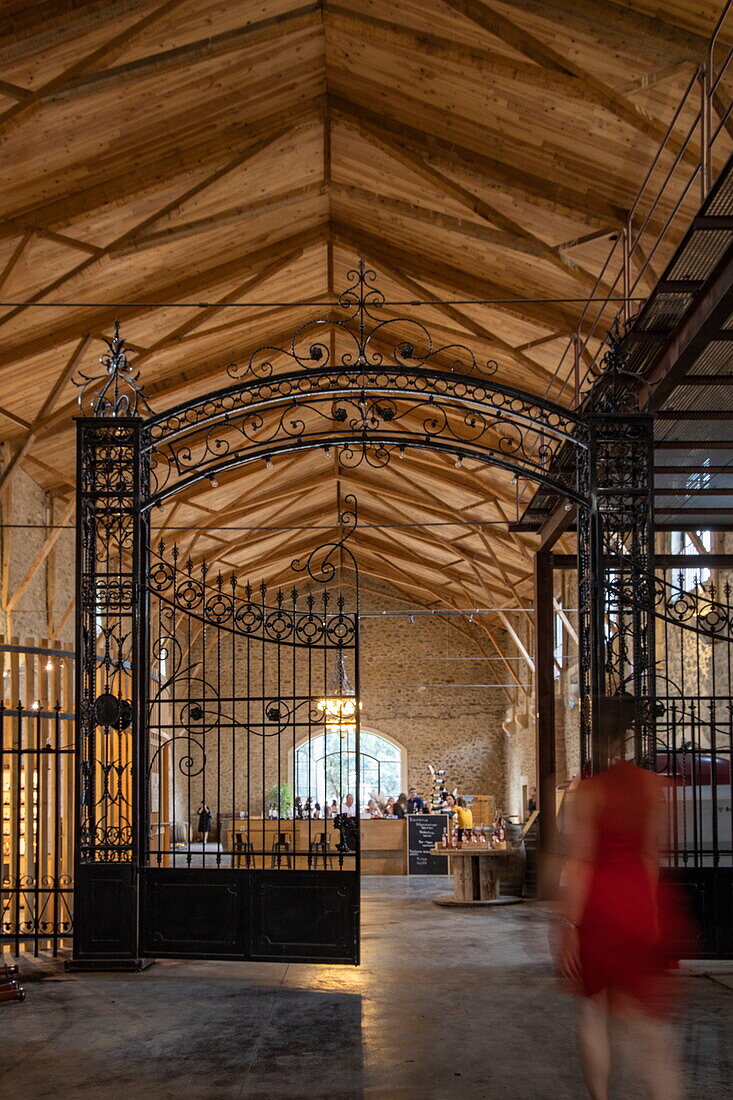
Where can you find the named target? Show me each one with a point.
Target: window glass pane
(326, 768)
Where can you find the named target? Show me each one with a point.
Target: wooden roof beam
(491, 20)
(170, 292)
(160, 167)
(168, 208)
(512, 178)
(407, 157)
(273, 28)
(110, 49)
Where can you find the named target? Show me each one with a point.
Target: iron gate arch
(378, 400)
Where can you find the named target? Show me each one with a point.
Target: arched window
(325, 767)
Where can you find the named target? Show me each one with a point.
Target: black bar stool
(280, 848)
(243, 848)
(321, 847)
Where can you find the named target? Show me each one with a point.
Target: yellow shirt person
(464, 816)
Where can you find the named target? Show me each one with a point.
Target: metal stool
(280, 848)
(242, 848)
(322, 847)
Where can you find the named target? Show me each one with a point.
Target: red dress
(622, 949)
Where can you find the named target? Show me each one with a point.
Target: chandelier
(339, 707)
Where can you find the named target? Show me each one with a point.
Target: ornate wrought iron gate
(239, 674)
(238, 682)
(244, 678)
(694, 724)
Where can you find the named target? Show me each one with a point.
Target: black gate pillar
(544, 630)
(111, 674)
(616, 575)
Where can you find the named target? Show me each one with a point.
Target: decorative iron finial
(616, 389)
(119, 393)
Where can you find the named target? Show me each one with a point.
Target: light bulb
(268, 463)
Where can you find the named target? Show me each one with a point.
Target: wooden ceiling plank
(513, 241)
(400, 152)
(170, 292)
(648, 80)
(162, 167)
(237, 215)
(150, 219)
(62, 378)
(272, 28)
(481, 58)
(110, 49)
(489, 19)
(49, 23)
(512, 178)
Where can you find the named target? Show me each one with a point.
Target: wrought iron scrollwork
(392, 387)
(371, 339)
(229, 606)
(117, 392)
(615, 389)
(321, 563)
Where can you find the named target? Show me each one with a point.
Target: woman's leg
(653, 1051)
(595, 1046)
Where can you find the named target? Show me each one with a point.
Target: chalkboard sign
(425, 832)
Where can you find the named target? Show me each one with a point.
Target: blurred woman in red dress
(615, 945)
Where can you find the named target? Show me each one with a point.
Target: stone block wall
(28, 514)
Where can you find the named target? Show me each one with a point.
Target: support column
(616, 580)
(111, 683)
(545, 698)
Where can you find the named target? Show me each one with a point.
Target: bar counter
(383, 844)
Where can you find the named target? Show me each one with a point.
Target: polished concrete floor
(448, 1004)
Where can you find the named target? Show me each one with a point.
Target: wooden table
(477, 871)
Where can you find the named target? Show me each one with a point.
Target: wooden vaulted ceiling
(196, 151)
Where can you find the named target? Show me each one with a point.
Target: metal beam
(707, 317)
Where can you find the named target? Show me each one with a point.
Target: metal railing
(677, 181)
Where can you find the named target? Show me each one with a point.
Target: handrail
(656, 218)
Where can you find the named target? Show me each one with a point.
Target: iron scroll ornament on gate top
(616, 390)
(388, 390)
(120, 393)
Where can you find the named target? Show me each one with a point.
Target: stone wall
(28, 513)
(412, 693)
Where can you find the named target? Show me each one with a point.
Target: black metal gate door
(252, 850)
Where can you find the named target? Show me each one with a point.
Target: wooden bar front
(383, 844)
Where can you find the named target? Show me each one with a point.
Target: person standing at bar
(415, 804)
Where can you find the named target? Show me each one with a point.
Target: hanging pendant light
(340, 705)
